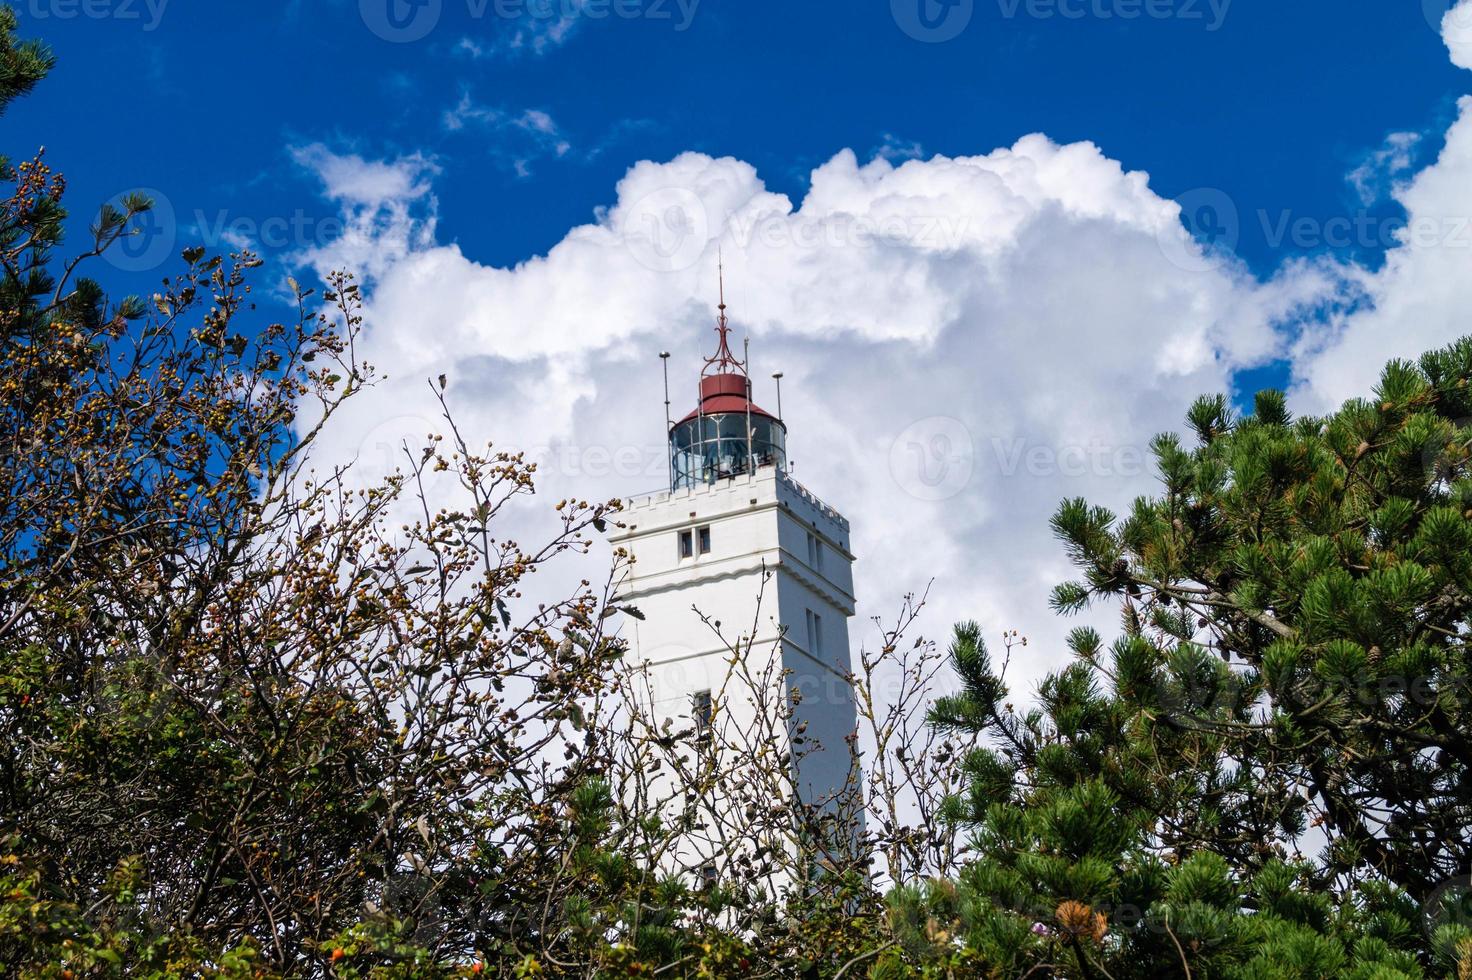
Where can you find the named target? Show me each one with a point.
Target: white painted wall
(758, 521)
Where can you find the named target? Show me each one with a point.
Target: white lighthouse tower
(737, 569)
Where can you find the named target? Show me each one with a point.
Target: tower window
(815, 553)
(687, 545)
(702, 712)
(703, 537)
(815, 632)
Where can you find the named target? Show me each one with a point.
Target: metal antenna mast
(669, 425)
(746, 368)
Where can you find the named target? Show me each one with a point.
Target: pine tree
(1265, 773)
(22, 63)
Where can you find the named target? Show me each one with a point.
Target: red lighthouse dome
(723, 394)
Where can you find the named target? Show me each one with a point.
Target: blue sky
(995, 245)
(1273, 103)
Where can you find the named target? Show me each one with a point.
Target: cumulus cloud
(1456, 29)
(965, 341)
(1421, 297)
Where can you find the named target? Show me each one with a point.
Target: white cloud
(895, 148)
(1456, 29)
(388, 209)
(1001, 331)
(965, 340)
(519, 138)
(350, 178)
(1378, 171)
(1421, 297)
(540, 29)
(467, 111)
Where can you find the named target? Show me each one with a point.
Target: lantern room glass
(708, 448)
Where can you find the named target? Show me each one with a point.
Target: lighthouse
(744, 582)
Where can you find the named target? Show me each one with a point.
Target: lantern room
(727, 434)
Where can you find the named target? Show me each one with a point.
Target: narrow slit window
(687, 545)
(702, 712)
(703, 536)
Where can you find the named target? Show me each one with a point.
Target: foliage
(258, 720)
(261, 720)
(1291, 674)
(22, 63)
(275, 706)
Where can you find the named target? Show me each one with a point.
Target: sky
(994, 245)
